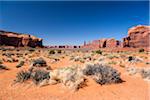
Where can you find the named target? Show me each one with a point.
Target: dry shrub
(71, 77)
(141, 50)
(40, 62)
(3, 67)
(39, 75)
(132, 70)
(20, 64)
(52, 52)
(59, 51)
(1, 61)
(145, 73)
(102, 74)
(22, 76)
(99, 52)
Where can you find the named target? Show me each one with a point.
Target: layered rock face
(19, 40)
(64, 46)
(111, 43)
(102, 43)
(138, 37)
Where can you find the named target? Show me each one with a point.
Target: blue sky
(66, 22)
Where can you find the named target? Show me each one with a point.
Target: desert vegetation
(73, 70)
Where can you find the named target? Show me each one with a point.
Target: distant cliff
(19, 40)
(103, 43)
(138, 37)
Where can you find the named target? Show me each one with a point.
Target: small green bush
(130, 58)
(32, 50)
(112, 62)
(59, 51)
(99, 52)
(52, 52)
(141, 50)
(1, 61)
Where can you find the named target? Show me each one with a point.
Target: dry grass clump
(132, 70)
(71, 57)
(9, 57)
(52, 52)
(10, 60)
(37, 76)
(19, 55)
(145, 73)
(22, 76)
(112, 56)
(98, 52)
(31, 50)
(40, 62)
(71, 77)
(20, 64)
(87, 57)
(54, 58)
(147, 63)
(78, 58)
(8, 54)
(1, 61)
(102, 58)
(112, 62)
(141, 50)
(59, 51)
(102, 74)
(3, 67)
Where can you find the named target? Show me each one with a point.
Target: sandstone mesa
(19, 40)
(138, 37)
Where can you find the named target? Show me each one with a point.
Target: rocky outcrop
(64, 47)
(103, 43)
(19, 40)
(138, 37)
(111, 43)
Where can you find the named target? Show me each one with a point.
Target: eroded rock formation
(103, 43)
(138, 37)
(19, 40)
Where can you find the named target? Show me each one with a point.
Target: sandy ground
(133, 88)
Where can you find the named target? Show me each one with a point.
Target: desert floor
(134, 87)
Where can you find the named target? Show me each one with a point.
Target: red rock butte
(138, 37)
(19, 40)
(102, 43)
